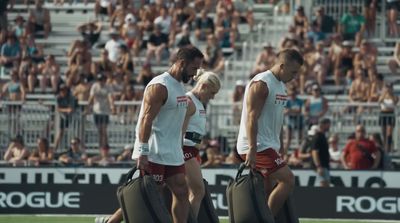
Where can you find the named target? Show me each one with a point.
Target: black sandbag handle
(240, 171)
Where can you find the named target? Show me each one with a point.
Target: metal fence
(41, 119)
(33, 119)
(223, 121)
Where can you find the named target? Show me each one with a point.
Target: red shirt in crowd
(358, 154)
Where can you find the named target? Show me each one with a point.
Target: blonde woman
(207, 86)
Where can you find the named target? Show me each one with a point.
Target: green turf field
(78, 219)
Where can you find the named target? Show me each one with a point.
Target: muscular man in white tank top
(158, 145)
(259, 140)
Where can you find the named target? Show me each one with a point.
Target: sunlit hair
(209, 78)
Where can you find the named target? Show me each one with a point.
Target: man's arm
(155, 97)
(257, 94)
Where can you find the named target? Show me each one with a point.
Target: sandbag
(247, 199)
(287, 213)
(207, 213)
(141, 200)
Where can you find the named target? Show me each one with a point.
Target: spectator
(19, 30)
(43, 154)
(104, 159)
(344, 64)
(50, 71)
(117, 19)
(75, 155)
(325, 23)
(213, 57)
(369, 12)
(394, 63)
(129, 111)
(164, 21)
(39, 19)
(366, 57)
(232, 158)
(145, 75)
(359, 89)
(66, 105)
(304, 152)
(265, 59)
(317, 63)
(238, 95)
(3, 13)
(157, 46)
(376, 87)
(10, 53)
(294, 116)
(90, 32)
(13, 89)
(183, 14)
(385, 162)
(352, 26)
(101, 97)
(32, 49)
(335, 152)
(315, 34)
(132, 34)
(112, 46)
(126, 155)
(204, 25)
(300, 22)
(104, 66)
(82, 89)
(320, 152)
(243, 9)
(316, 106)
(16, 153)
(393, 7)
(104, 7)
(387, 118)
(33, 80)
(360, 153)
(125, 61)
(213, 154)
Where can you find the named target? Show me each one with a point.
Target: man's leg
(180, 201)
(281, 192)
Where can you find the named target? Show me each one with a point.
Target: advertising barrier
(354, 194)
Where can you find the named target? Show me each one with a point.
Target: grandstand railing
(224, 120)
(33, 120)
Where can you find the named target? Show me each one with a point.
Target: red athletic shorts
(161, 172)
(267, 161)
(190, 152)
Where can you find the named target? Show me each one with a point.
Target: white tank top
(197, 122)
(165, 142)
(271, 118)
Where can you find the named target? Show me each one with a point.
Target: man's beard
(185, 76)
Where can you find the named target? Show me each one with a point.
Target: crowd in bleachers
(115, 56)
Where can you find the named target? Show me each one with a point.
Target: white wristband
(143, 149)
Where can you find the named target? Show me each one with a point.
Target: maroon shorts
(161, 172)
(267, 161)
(190, 152)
